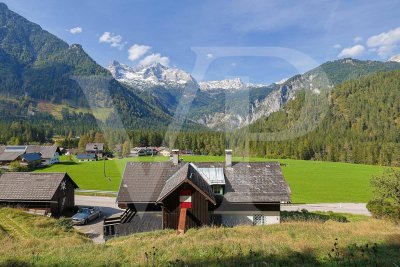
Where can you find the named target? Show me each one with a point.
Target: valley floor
(310, 181)
(29, 240)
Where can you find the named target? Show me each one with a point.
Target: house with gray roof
(25, 154)
(49, 154)
(10, 154)
(52, 193)
(183, 195)
(95, 148)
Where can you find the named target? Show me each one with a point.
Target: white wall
(54, 159)
(247, 217)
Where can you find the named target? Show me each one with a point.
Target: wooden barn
(180, 195)
(52, 193)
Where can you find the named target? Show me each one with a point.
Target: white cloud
(112, 39)
(209, 56)
(352, 51)
(154, 58)
(233, 64)
(75, 30)
(385, 42)
(357, 39)
(137, 51)
(337, 46)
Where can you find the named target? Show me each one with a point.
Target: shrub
(384, 209)
(386, 200)
(304, 215)
(337, 217)
(17, 167)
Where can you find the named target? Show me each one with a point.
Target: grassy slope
(310, 181)
(29, 240)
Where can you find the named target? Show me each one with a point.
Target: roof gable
(144, 181)
(189, 174)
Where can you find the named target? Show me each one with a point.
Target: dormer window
(218, 189)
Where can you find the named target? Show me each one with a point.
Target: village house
(52, 193)
(182, 195)
(86, 157)
(49, 154)
(95, 148)
(10, 154)
(31, 155)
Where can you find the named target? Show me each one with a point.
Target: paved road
(109, 207)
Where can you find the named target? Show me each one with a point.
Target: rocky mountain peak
(142, 77)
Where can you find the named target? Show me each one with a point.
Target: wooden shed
(50, 192)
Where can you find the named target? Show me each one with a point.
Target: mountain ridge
(230, 104)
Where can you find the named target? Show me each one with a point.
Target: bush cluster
(384, 209)
(304, 215)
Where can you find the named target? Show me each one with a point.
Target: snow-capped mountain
(231, 103)
(395, 58)
(142, 77)
(228, 84)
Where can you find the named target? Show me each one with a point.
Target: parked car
(85, 215)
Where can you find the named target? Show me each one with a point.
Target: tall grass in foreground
(29, 240)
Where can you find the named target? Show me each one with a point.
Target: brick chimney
(175, 156)
(228, 157)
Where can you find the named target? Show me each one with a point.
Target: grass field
(29, 240)
(310, 181)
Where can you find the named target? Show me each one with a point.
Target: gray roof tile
(143, 181)
(30, 186)
(46, 151)
(255, 182)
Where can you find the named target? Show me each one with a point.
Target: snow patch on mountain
(228, 84)
(395, 58)
(142, 77)
(282, 81)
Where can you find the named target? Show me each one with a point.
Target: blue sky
(166, 31)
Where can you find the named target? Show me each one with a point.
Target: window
(258, 219)
(217, 189)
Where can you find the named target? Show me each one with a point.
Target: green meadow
(310, 181)
(29, 240)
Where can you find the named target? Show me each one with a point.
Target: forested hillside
(362, 125)
(37, 68)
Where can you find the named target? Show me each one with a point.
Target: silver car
(85, 215)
